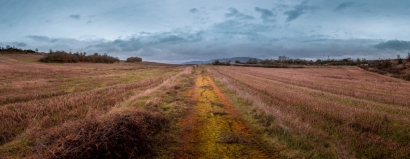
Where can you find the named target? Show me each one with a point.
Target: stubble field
(151, 110)
(335, 112)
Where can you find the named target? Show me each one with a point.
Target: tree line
(64, 57)
(68, 57)
(283, 60)
(12, 49)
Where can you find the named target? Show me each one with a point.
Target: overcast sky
(176, 31)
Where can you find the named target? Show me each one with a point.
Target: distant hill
(233, 59)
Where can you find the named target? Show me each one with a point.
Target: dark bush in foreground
(132, 134)
(134, 59)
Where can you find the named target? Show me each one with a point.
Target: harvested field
(39, 102)
(335, 112)
(152, 110)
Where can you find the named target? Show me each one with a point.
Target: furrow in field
(367, 87)
(46, 113)
(336, 120)
(383, 109)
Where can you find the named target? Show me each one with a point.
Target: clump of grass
(127, 134)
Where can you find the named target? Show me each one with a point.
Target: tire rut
(213, 128)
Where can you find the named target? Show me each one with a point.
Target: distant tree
(318, 62)
(364, 61)
(399, 59)
(386, 64)
(216, 62)
(62, 56)
(358, 62)
(36, 50)
(282, 58)
(237, 61)
(252, 61)
(408, 57)
(228, 62)
(134, 59)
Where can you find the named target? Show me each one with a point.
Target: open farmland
(334, 112)
(69, 110)
(153, 110)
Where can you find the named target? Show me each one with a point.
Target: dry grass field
(335, 112)
(61, 110)
(152, 110)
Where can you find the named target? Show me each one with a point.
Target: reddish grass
(350, 111)
(39, 99)
(129, 134)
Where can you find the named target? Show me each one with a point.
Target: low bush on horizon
(64, 57)
(134, 59)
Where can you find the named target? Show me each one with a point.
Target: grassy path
(213, 129)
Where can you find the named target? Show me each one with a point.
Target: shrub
(399, 59)
(131, 134)
(216, 62)
(386, 64)
(134, 59)
(64, 57)
(408, 57)
(407, 77)
(358, 62)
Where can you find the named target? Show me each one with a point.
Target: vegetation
(64, 57)
(83, 110)
(400, 61)
(408, 57)
(134, 59)
(323, 112)
(153, 110)
(394, 68)
(12, 49)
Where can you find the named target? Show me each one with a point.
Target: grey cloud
(38, 38)
(49, 21)
(75, 16)
(397, 45)
(42, 38)
(238, 31)
(171, 39)
(89, 22)
(19, 44)
(266, 14)
(193, 10)
(297, 11)
(343, 6)
(145, 42)
(233, 12)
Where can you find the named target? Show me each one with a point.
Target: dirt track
(213, 129)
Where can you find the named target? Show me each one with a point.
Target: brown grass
(62, 99)
(129, 134)
(326, 112)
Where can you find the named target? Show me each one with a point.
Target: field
(152, 110)
(335, 112)
(53, 110)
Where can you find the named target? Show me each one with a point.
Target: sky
(176, 31)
